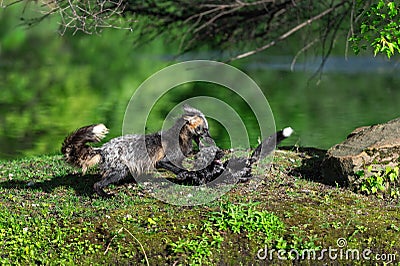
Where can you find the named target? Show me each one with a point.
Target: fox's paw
(99, 190)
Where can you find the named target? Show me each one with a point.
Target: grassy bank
(49, 214)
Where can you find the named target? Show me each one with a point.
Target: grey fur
(137, 154)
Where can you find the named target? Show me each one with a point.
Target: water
(351, 93)
(334, 64)
(50, 86)
(322, 112)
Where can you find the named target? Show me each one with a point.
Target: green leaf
(392, 9)
(380, 5)
(151, 221)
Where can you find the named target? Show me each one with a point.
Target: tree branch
(288, 33)
(236, 24)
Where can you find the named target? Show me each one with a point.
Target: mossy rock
(377, 145)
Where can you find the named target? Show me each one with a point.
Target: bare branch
(287, 34)
(238, 25)
(334, 23)
(5, 5)
(302, 50)
(351, 30)
(88, 16)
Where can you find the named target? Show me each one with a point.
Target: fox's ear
(195, 118)
(195, 122)
(191, 111)
(192, 119)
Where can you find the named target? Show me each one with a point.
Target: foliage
(244, 218)
(40, 239)
(379, 28)
(199, 249)
(380, 182)
(262, 227)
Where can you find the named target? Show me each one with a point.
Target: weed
(381, 183)
(199, 249)
(244, 218)
(27, 239)
(262, 227)
(141, 246)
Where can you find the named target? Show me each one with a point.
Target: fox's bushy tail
(77, 152)
(269, 144)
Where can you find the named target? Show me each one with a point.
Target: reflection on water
(321, 112)
(50, 86)
(334, 64)
(351, 93)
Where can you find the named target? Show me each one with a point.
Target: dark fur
(75, 148)
(135, 154)
(233, 170)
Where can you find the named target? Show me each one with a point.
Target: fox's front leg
(167, 165)
(98, 188)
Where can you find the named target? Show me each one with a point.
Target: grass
(49, 214)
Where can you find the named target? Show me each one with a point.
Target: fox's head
(196, 121)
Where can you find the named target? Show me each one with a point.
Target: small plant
(37, 240)
(244, 218)
(237, 219)
(380, 182)
(200, 248)
(265, 228)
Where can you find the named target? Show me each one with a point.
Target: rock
(377, 145)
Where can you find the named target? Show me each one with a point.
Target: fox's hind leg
(108, 178)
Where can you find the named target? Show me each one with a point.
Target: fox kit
(234, 169)
(134, 154)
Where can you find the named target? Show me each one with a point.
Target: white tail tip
(287, 131)
(100, 131)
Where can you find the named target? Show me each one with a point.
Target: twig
(287, 34)
(240, 3)
(3, 5)
(351, 30)
(216, 17)
(109, 244)
(302, 51)
(336, 23)
(137, 240)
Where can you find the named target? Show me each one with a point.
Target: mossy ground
(49, 214)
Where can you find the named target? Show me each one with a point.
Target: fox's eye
(200, 128)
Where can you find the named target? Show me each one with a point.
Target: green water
(51, 85)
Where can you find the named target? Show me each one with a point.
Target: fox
(134, 154)
(237, 169)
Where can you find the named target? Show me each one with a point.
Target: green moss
(49, 214)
